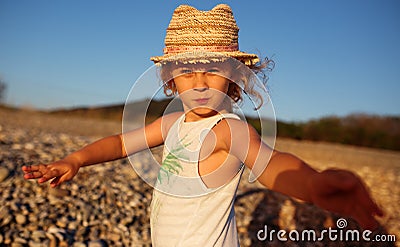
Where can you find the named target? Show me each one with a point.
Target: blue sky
(332, 57)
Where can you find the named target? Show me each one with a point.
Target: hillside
(357, 129)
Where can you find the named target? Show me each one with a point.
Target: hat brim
(205, 57)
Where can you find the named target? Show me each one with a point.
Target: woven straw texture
(191, 30)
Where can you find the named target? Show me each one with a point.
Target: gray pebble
(38, 235)
(16, 146)
(59, 193)
(53, 240)
(7, 220)
(20, 240)
(16, 244)
(20, 219)
(37, 244)
(97, 243)
(29, 146)
(3, 174)
(78, 244)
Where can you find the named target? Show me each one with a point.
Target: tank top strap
(199, 129)
(189, 136)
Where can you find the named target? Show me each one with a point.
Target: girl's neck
(191, 116)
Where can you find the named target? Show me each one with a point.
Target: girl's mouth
(202, 101)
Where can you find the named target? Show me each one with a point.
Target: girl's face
(203, 89)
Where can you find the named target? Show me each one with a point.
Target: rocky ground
(108, 205)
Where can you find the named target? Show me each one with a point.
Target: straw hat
(200, 36)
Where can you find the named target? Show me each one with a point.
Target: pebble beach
(108, 204)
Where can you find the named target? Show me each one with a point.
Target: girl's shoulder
(229, 129)
(232, 124)
(236, 136)
(168, 120)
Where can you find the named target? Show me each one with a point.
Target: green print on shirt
(171, 162)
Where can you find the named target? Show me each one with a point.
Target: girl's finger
(55, 182)
(367, 202)
(49, 175)
(34, 168)
(27, 168)
(33, 175)
(365, 219)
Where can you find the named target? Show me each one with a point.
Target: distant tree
(3, 87)
(357, 129)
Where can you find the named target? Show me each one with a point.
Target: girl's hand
(343, 192)
(60, 171)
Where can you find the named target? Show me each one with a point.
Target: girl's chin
(202, 112)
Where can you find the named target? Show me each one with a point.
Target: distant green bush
(357, 129)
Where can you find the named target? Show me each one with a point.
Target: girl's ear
(234, 91)
(170, 88)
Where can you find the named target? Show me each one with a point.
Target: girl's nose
(200, 82)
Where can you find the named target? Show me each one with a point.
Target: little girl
(207, 146)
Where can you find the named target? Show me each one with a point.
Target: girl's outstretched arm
(339, 191)
(106, 149)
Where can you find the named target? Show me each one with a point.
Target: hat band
(181, 49)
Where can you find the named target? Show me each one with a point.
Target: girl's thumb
(338, 179)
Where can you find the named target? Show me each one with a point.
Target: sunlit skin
(202, 90)
(230, 143)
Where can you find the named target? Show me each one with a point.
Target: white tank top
(184, 212)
